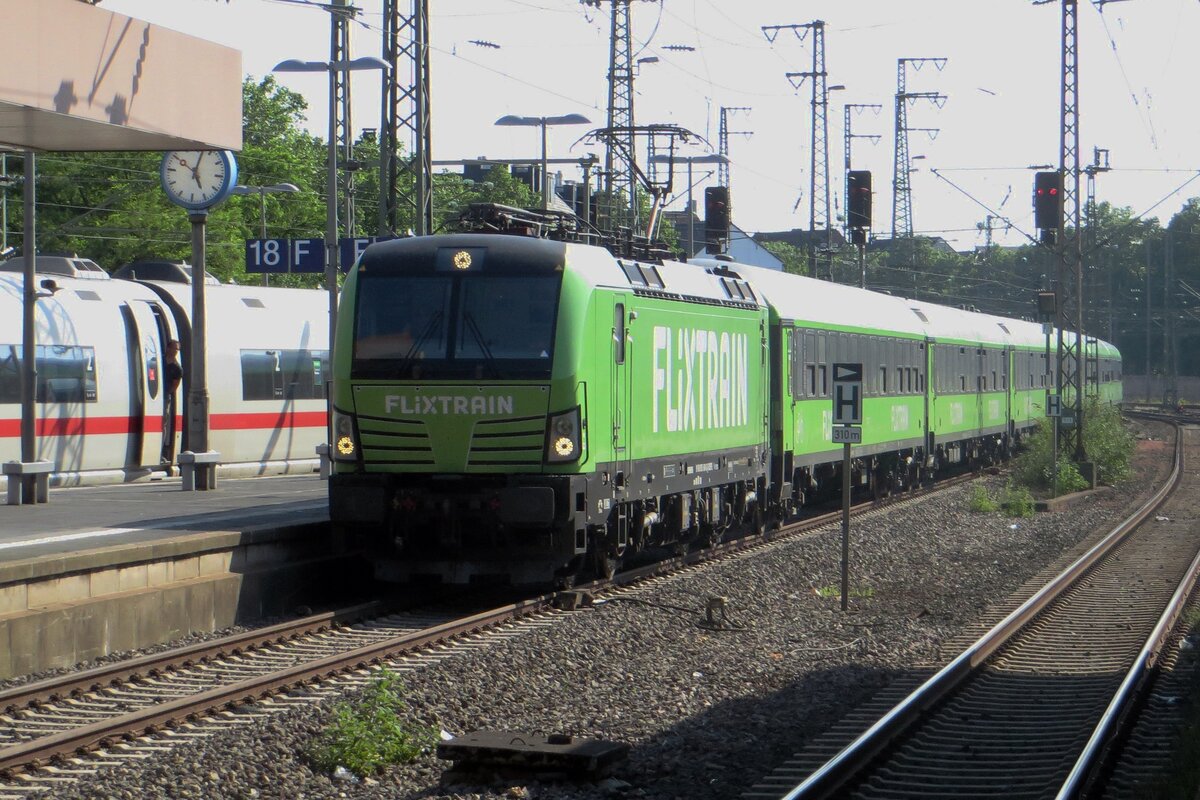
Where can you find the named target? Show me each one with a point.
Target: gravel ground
(706, 713)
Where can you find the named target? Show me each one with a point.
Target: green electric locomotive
(514, 408)
(526, 409)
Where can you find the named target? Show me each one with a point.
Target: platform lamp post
(331, 213)
(709, 158)
(262, 192)
(544, 122)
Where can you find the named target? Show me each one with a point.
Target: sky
(1137, 92)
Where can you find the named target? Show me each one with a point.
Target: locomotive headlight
(563, 437)
(345, 437)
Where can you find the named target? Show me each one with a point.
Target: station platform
(89, 517)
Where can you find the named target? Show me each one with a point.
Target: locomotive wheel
(881, 484)
(605, 563)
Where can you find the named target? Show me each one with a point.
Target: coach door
(621, 352)
(1006, 384)
(146, 335)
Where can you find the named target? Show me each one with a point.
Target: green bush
(1016, 501)
(1069, 477)
(1105, 440)
(981, 501)
(1034, 467)
(369, 734)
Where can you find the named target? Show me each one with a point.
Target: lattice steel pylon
(406, 109)
(339, 51)
(1099, 164)
(1069, 381)
(723, 141)
(620, 157)
(902, 214)
(818, 174)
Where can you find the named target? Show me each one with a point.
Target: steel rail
(1132, 687)
(42, 749)
(58, 687)
(856, 755)
(37, 751)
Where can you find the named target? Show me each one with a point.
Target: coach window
(65, 374)
(619, 333)
(284, 374)
(10, 374)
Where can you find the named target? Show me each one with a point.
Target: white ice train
(100, 393)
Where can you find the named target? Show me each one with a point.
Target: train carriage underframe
(595, 523)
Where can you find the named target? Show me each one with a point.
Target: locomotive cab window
(470, 324)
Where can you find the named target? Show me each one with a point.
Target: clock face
(197, 178)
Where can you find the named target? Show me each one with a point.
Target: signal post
(847, 419)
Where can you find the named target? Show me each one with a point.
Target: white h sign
(847, 394)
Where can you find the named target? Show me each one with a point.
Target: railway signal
(858, 199)
(1048, 204)
(716, 217)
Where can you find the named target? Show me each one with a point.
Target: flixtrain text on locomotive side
(521, 408)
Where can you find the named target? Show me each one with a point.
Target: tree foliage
(1141, 277)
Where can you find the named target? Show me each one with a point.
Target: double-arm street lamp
(262, 192)
(331, 218)
(544, 122)
(708, 158)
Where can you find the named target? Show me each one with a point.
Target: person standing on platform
(172, 375)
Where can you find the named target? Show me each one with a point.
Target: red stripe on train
(94, 426)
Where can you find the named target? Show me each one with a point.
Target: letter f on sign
(390, 402)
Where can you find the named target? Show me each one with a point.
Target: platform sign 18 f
(285, 255)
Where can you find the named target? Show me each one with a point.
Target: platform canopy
(76, 77)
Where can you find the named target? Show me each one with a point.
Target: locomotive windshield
(446, 326)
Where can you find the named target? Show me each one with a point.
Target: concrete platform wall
(61, 611)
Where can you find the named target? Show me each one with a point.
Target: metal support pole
(28, 331)
(331, 213)
(846, 526)
(262, 222)
(691, 214)
(545, 177)
(1148, 323)
(862, 266)
(3, 201)
(197, 431)
(587, 192)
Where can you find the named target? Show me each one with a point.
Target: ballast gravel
(706, 713)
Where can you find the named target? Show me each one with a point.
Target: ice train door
(146, 333)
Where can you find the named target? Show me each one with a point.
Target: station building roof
(78, 77)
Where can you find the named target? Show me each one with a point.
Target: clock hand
(196, 171)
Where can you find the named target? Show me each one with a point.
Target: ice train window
(284, 374)
(65, 374)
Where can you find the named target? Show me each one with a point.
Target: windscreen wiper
(488, 358)
(426, 332)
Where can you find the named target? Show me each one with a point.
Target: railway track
(1032, 708)
(57, 726)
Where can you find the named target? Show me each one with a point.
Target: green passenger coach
(514, 408)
